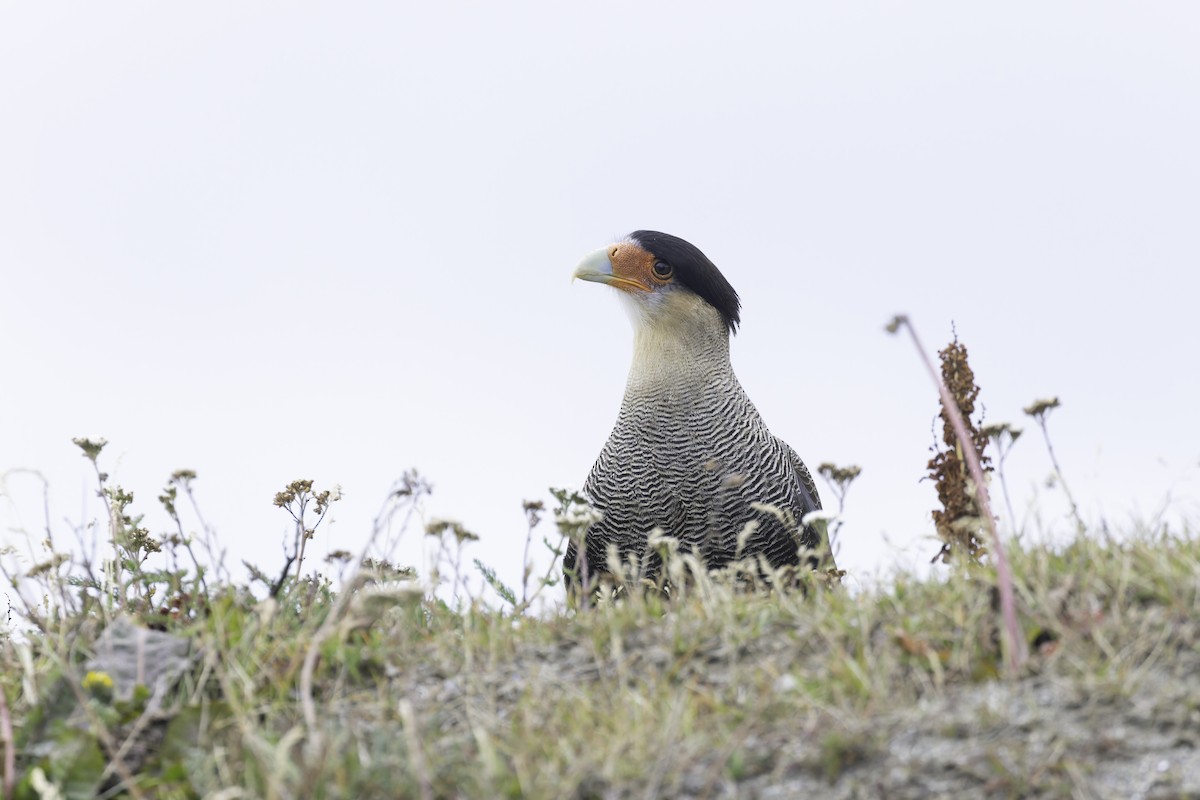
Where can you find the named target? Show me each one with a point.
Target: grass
(722, 692)
(397, 686)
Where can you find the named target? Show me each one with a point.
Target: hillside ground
(384, 690)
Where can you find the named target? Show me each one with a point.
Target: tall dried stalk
(1008, 605)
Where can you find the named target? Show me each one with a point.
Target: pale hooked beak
(597, 267)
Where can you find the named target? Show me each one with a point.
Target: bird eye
(663, 270)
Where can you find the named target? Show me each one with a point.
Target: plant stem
(8, 782)
(525, 567)
(1041, 420)
(1012, 518)
(114, 530)
(1008, 605)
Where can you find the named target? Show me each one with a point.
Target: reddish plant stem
(1008, 604)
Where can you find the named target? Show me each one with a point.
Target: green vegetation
(150, 672)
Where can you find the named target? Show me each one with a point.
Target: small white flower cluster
(821, 514)
(392, 592)
(784, 515)
(578, 516)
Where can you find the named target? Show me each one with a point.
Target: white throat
(679, 340)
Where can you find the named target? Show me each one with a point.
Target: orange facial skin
(626, 266)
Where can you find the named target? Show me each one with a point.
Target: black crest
(695, 271)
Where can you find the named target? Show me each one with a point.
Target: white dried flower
(820, 515)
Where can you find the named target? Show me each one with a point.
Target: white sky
(270, 241)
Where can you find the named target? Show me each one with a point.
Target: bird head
(664, 281)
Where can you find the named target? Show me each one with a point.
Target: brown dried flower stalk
(960, 523)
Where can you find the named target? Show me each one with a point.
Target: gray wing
(808, 487)
(815, 535)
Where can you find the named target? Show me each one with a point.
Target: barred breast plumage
(689, 453)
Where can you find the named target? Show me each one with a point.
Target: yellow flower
(99, 685)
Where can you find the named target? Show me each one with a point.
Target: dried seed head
(437, 527)
(1039, 408)
(843, 476)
